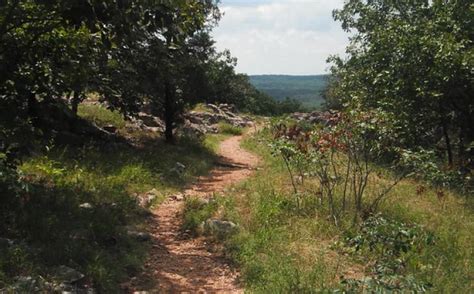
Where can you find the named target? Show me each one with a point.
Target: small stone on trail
(147, 199)
(68, 275)
(219, 228)
(177, 197)
(110, 128)
(86, 205)
(139, 236)
(179, 167)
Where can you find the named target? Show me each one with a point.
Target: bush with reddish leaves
(340, 157)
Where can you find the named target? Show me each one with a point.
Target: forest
(135, 158)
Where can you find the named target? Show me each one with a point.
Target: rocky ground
(316, 117)
(180, 263)
(195, 123)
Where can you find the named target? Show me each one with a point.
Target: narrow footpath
(180, 263)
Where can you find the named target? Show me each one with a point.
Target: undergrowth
(421, 240)
(100, 115)
(80, 202)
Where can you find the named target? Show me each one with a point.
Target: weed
(196, 211)
(101, 116)
(388, 238)
(228, 129)
(392, 244)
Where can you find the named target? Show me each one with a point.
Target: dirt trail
(179, 263)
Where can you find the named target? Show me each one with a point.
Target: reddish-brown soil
(180, 263)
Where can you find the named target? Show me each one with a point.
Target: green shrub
(425, 165)
(92, 240)
(392, 244)
(388, 238)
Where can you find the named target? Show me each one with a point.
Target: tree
(412, 60)
(171, 58)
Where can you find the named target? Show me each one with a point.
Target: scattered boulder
(146, 200)
(177, 197)
(213, 107)
(67, 275)
(195, 123)
(200, 123)
(178, 169)
(190, 129)
(139, 236)
(230, 114)
(110, 128)
(28, 284)
(195, 118)
(327, 118)
(149, 120)
(219, 228)
(86, 205)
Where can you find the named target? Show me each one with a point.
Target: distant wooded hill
(306, 89)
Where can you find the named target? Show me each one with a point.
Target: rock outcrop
(202, 122)
(219, 228)
(195, 123)
(326, 118)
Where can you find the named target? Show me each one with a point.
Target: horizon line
(285, 74)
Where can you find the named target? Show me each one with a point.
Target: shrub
(340, 157)
(391, 243)
(424, 165)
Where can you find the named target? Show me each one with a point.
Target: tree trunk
(75, 102)
(447, 141)
(32, 109)
(461, 147)
(169, 112)
(444, 127)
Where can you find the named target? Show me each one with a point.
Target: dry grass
(284, 249)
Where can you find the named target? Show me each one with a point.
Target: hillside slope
(306, 89)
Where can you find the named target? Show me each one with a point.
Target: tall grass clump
(100, 115)
(228, 129)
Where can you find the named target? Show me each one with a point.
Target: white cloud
(281, 36)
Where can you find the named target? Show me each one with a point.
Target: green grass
(212, 141)
(101, 116)
(201, 107)
(58, 231)
(228, 129)
(196, 211)
(282, 248)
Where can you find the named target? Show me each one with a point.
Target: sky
(280, 36)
